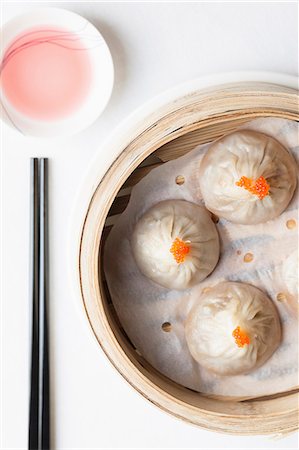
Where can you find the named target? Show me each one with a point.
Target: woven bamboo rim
(171, 131)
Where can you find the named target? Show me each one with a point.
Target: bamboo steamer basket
(174, 129)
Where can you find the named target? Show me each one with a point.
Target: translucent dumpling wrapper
(232, 329)
(247, 177)
(176, 244)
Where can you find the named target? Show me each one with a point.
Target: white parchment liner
(143, 306)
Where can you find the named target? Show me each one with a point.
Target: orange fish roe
(179, 249)
(241, 338)
(259, 187)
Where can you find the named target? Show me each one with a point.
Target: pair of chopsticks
(39, 418)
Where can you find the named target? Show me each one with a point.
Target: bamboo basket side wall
(169, 133)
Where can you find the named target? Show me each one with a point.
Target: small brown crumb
(248, 257)
(180, 180)
(166, 326)
(239, 252)
(281, 297)
(291, 223)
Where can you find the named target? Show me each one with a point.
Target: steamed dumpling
(176, 244)
(247, 177)
(233, 329)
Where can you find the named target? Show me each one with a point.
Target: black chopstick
(34, 297)
(39, 414)
(44, 417)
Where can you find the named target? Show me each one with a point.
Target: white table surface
(154, 46)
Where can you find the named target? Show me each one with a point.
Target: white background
(154, 47)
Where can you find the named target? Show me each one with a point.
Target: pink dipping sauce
(46, 73)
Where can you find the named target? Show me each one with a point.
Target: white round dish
(102, 73)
